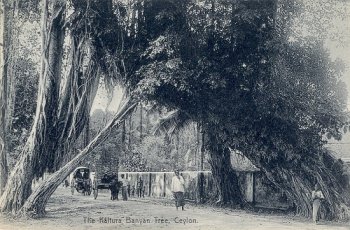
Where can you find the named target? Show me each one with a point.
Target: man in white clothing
(178, 189)
(124, 187)
(317, 198)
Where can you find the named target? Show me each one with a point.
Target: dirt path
(66, 211)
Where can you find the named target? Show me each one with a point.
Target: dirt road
(66, 211)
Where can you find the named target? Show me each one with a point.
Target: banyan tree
(231, 67)
(227, 65)
(65, 93)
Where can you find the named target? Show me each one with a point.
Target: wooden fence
(199, 186)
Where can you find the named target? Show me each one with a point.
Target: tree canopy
(230, 66)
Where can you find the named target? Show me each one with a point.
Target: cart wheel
(89, 191)
(95, 193)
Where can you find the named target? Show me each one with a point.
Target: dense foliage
(229, 66)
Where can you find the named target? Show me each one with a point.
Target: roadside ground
(66, 211)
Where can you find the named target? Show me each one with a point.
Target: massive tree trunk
(81, 85)
(294, 162)
(3, 100)
(8, 42)
(19, 185)
(87, 52)
(75, 106)
(297, 180)
(35, 205)
(225, 177)
(9, 45)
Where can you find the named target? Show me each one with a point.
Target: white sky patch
(102, 99)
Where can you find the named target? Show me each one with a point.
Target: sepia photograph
(175, 114)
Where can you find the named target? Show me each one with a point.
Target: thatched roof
(241, 163)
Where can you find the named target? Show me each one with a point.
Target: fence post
(201, 187)
(150, 185)
(254, 188)
(249, 184)
(164, 185)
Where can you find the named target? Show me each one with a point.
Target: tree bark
(202, 146)
(87, 132)
(35, 204)
(9, 37)
(141, 122)
(19, 185)
(10, 54)
(76, 97)
(3, 100)
(60, 116)
(298, 182)
(225, 177)
(130, 132)
(74, 113)
(123, 135)
(53, 39)
(295, 169)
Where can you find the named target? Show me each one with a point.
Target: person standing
(178, 189)
(317, 198)
(129, 190)
(114, 188)
(133, 190)
(139, 187)
(124, 187)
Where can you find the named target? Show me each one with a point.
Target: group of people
(127, 190)
(81, 174)
(140, 189)
(177, 188)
